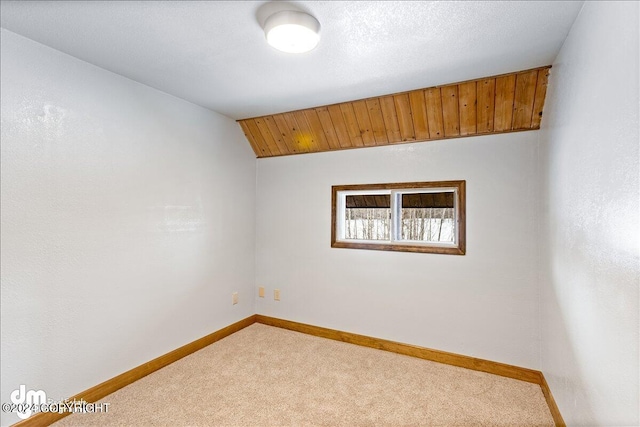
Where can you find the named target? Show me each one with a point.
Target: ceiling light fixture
(292, 32)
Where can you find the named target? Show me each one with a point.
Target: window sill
(400, 247)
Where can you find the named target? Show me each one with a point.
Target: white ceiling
(213, 53)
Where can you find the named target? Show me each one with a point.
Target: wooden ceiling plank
(247, 133)
(405, 121)
(433, 99)
(340, 126)
(486, 98)
(505, 91)
(377, 121)
(364, 122)
(276, 134)
(390, 118)
(327, 126)
(524, 99)
(467, 99)
(541, 92)
(504, 103)
(287, 137)
(267, 137)
(450, 110)
(296, 135)
(419, 114)
(316, 128)
(257, 137)
(350, 120)
(305, 135)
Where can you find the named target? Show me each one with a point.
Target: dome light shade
(292, 32)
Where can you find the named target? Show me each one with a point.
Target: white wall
(590, 220)
(128, 218)
(482, 304)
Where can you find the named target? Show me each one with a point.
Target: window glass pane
(428, 217)
(367, 217)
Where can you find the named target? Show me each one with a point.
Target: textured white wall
(590, 270)
(128, 218)
(482, 304)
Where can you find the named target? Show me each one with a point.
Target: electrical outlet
(234, 298)
(261, 291)
(276, 294)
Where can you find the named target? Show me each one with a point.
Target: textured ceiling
(214, 53)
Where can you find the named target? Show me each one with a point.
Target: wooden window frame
(457, 248)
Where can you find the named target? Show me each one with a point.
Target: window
(408, 217)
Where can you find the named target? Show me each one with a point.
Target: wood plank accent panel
(283, 130)
(316, 129)
(524, 98)
(276, 134)
(467, 98)
(259, 150)
(305, 136)
(364, 122)
(486, 90)
(405, 119)
(353, 129)
(327, 127)
(450, 110)
(433, 98)
(377, 121)
(261, 125)
(340, 126)
(101, 390)
(506, 103)
(390, 119)
(503, 104)
(541, 93)
(297, 137)
(419, 115)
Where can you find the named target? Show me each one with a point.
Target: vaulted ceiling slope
(506, 103)
(214, 53)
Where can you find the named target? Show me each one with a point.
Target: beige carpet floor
(266, 376)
